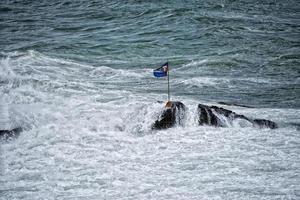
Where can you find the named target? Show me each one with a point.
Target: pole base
(168, 104)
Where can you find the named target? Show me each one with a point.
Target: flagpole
(168, 83)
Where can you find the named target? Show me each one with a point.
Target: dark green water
(77, 76)
(249, 48)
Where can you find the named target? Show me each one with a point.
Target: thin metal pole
(168, 84)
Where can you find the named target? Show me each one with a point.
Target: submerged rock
(263, 123)
(173, 114)
(214, 116)
(5, 134)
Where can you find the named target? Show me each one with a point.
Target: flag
(161, 71)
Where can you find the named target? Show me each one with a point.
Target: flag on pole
(161, 71)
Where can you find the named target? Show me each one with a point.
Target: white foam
(192, 64)
(203, 81)
(91, 139)
(6, 72)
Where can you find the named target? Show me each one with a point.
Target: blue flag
(161, 71)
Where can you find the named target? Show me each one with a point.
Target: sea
(77, 76)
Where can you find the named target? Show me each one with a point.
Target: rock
(228, 113)
(173, 114)
(5, 134)
(206, 116)
(210, 115)
(263, 123)
(214, 116)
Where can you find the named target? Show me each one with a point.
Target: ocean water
(77, 76)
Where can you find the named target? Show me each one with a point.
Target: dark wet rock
(173, 114)
(263, 123)
(210, 115)
(5, 134)
(206, 116)
(228, 113)
(221, 117)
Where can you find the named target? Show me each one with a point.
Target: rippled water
(77, 76)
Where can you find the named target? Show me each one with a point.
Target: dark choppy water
(78, 77)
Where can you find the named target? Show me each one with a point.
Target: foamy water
(85, 140)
